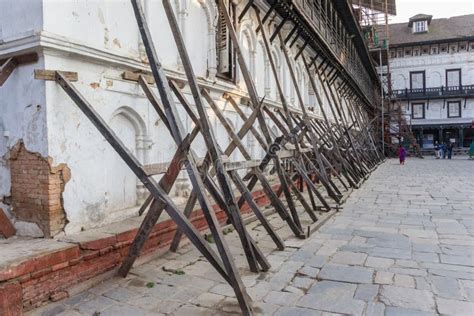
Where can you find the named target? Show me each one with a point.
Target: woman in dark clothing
(443, 150)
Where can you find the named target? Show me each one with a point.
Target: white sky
(436, 8)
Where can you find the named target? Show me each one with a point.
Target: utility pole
(381, 94)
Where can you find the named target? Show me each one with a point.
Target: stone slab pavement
(402, 245)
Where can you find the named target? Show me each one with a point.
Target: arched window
(123, 188)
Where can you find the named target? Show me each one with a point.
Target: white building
(100, 40)
(432, 75)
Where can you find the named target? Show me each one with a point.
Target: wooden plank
(216, 194)
(8, 65)
(43, 74)
(27, 58)
(162, 167)
(133, 76)
(239, 165)
(239, 111)
(145, 205)
(6, 69)
(250, 201)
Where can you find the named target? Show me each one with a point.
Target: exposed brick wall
(49, 277)
(6, 227)
(37, 188)
(10, 299)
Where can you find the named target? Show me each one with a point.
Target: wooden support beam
(288, 37)
(155, 189)
(295, 39)
(176, 129)
(254, 101)
(326, 120)
(50, 75)
(235, 176)
(245, 9)
(133, 76)
(300, 50)
(6, 69)
(7, 66)
(312, 137)
(278, 28)
(274, 149)
(267, 14)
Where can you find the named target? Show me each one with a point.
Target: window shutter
(223, 45)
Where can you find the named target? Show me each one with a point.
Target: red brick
(6, 227)
(40, 273)
(99, 243)
(54, 258)
(89, 255)
(24, 278)
(36, 187)
(60, 266)
(106, 250)
(126, 236)
(88, 263)
(10, 299)
(59, 296)
(73, 262)
(16, 270)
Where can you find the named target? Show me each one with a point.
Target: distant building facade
(432, 75)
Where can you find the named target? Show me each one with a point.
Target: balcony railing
(433, 93)
(326, 21)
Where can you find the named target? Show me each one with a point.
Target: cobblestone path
(402, 245)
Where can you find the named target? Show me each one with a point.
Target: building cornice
(46, 43)
(432, 42)
(436, 60)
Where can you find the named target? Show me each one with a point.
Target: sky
(436, 8)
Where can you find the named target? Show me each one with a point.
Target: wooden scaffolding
(326, 156)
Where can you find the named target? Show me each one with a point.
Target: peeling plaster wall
(22, 99)
(103, 189)
(23, 117)
(100, 40)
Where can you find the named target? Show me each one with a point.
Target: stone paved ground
(403, 245)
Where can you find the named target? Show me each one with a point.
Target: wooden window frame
(413, 110)
(418, 72)
(423, 26)
(458, 103)
(453, 69)
(231, 74)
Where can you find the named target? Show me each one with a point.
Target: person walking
(450, 150)
(471, 150)
(402, 153)
(436, 148)
(442, 148)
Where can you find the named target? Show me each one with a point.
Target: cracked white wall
(100, 40)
